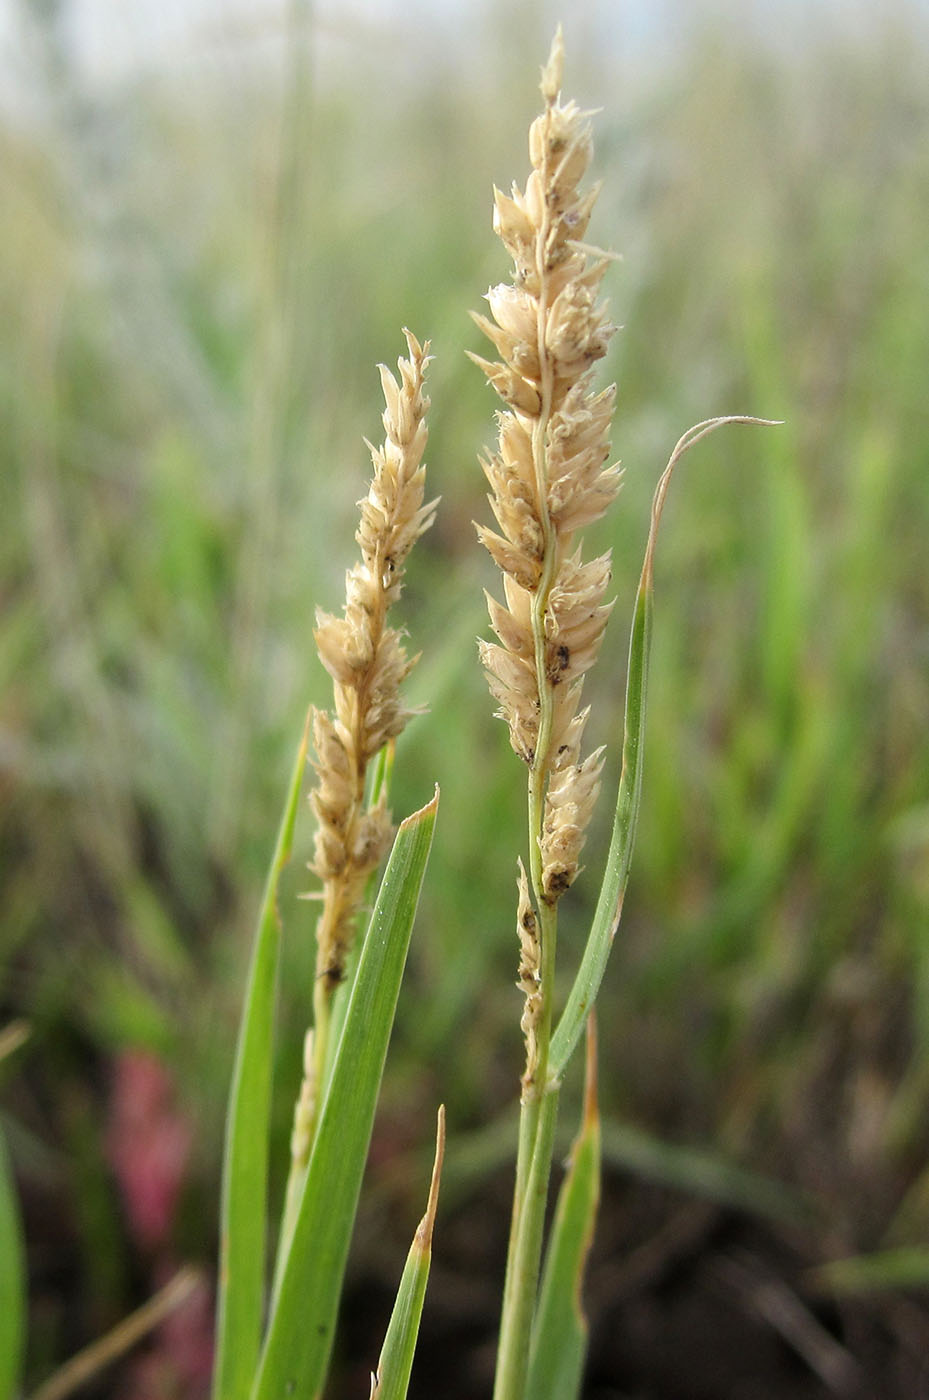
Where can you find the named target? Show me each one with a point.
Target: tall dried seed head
(551, 473)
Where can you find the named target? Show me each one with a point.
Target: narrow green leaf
(613, 889)
(300, 1331)
(243, 1241)
(904, 1267)
(559, 1332)
(708, 1175)
(382, 773)
(396, 1359)
(12, 1281)
(379, 775)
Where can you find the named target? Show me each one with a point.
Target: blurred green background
(209, 235)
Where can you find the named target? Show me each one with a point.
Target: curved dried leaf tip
(551, 473)
(368, 663)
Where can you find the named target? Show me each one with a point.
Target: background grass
(201, 260)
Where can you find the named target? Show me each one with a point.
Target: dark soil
(698, 1303)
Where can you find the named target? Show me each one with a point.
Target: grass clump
(549, 479)
(768, 1007)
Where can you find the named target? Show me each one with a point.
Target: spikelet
(530, 979)
(550, 475)
(367, 662)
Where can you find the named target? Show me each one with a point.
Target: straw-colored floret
(367, 662)
(550, 475)
(530, 978)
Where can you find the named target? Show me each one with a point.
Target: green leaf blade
(619, 857)
(396, 1360)
(887, 1270)
(705, 1175)
(559, 1333)
(300, 1331)
(243, 1240)
(612, 891)
(12, 1282)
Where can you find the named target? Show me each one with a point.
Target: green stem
(539, 1107)
(536, 1143)
(528, 1128)
(530, 1194)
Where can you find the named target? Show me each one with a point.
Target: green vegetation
(195, 281)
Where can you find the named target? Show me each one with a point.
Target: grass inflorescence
(181, 344)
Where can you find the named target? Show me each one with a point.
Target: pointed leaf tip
(391, 1380)
(424, 813)
(426, 1225)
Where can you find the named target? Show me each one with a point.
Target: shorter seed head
(368, 664)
